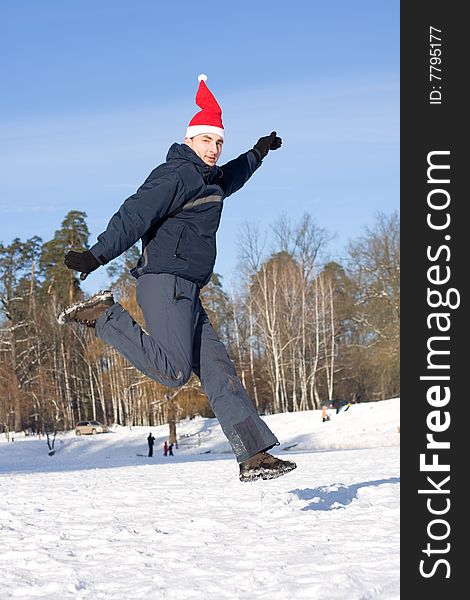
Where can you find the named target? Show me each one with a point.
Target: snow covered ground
(101, 520)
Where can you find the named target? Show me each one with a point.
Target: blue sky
(94, 93)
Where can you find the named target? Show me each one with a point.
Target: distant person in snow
(170, 449)
(150, 442)
(338, 403)
(165, 448)
(325, 415)
(176, 213)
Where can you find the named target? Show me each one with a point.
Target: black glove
(267, 143)
(84, 262)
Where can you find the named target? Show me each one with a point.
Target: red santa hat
(209, 118)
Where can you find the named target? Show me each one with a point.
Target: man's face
(208, 146)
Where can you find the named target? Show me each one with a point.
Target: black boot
(87, 312)
(264, 466)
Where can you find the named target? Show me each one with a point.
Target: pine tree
(17, 283)
(59, 281)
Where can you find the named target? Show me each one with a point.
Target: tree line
(302, 330)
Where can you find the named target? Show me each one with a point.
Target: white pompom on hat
(209, 118)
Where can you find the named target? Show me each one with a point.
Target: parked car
(90, 428)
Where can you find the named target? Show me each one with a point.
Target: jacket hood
(184, 152)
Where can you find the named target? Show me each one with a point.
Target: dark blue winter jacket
(176, 213)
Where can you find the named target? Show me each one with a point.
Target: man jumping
(176, 214)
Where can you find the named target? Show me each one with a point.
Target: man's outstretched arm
(151, 202)
(237, 172)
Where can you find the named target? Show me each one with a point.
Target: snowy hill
(100, 519)
(367, 425)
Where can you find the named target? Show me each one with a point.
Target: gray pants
(181, 340)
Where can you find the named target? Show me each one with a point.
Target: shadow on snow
(336, 495)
